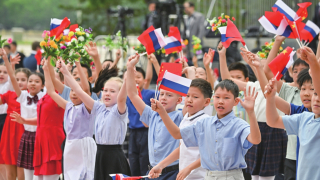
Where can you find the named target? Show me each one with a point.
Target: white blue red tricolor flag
(173, 41)
(125, 177)
(57, 26)
(285, 10)
(280, 65)
(152, 39)
(175, 83)
(229, 34)
(310, 31)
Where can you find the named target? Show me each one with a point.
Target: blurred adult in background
(195, 25)
(31, 62)
(14, 52)
(316, 20)
(152, 18)
(6, 47)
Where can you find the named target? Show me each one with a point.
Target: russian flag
(310, 31)
(125, 177)
(173, 41)
(57, 26)
(274, 23)
(285, 10)
(175, 83)
(280, 65)
(229, 34)
(152, 39)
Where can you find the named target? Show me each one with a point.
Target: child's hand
(157, 106)
(152, 58)
(253, 60)
(44, 64)
(189, 70)
(2, 52)
(221, 49)
(195, 59)
(183, 173)
(271, 88)
(118, 54)
(249, 100)
(183, 62)
(17, 118)
(62, 66)
(155, 172)
(133, 60)
(208, 57)
(308, 56)
(92, 49)
(15, 60)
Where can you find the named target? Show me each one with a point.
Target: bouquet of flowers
(266, 48)
(197, 47)
(2, 42)
(119, 42)
(49, 47)
(221, 21)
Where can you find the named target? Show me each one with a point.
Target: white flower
(68, 43)
(77, 29)
(81, 38)
(87, 34)
(74, 40)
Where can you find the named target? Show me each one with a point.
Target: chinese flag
(175, 68)
(302, 11)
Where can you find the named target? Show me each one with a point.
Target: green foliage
(2, 42)
(266, 48)
(117, 43)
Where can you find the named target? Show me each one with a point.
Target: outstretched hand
(252, 59)
(15, 60)
(133, 60)
(221, 49)
(17, 118)
(44, 64)
(92, 49)
(62, 66)
(157, 106)
(249, 100)
(308, 56)
(208, 57)
(271, 88)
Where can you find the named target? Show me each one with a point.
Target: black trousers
(290, 169)
(138, 151)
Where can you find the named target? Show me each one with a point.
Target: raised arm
(206, 61)
(195, 61)
(56, 83)
(149, 73)
(155, 63)
(122, 98)
(131, 84)
(85, 98)
(173, 129)
(248, 104)
(318, 50)
(93, 52)
(10, 72)
(273, 118)
(50, 88)
(224, 68)
(273, 54)
(118, 57)
(83, 79)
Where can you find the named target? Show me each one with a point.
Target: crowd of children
(73, 120)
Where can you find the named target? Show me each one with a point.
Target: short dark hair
(303, 77)
(139, 69)
(299, 62)
(35, 45)
(7, 46)
(191, 4)
(14, 43)
(204, 86)
(229, 85)
(110, 60)
(40, 75)
(85, 66)
(239, 66)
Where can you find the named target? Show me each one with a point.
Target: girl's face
(110, 93)
(22, 80)
(74, 98)
(34, 84)
(201, 73)
(3, 74)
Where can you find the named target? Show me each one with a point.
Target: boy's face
(306, 93)
(76, 75)
(296, 70)
(237, 74)
(138, 77)
(223, 102)
(195, 101)
(169, 100)
(201, 73)
(316, 105)
(3, 74)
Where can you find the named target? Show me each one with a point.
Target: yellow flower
(262, 55)
(281, 48)
(83, 33)
(43, 43)
(272, 43)
(214, 28)
(78, 33)
(71, 34)
(51, 43)
(185, 42)
(226, 16)
(196, 46)
(54, 46)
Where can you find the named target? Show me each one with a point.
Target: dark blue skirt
(2, 120)
(267, 158)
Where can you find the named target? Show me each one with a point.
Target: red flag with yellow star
(296, 27)
(174, 68)
(282, 63)
(302, 11)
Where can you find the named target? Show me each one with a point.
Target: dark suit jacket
(197, 28)
(316, 17)
(31, 63)
(20, 65)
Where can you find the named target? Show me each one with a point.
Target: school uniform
(266, 158)
(160, 142)
(110, 128)
(138, 137)
(189, 155)
(222, 144)
(28, 106)
(307, 128)
(80, 148)
(5, 87)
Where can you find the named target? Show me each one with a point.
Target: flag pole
(155, 93)
(265, 92)
(245, 46)
(299, 42)
(307, 44)
(143, 54)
